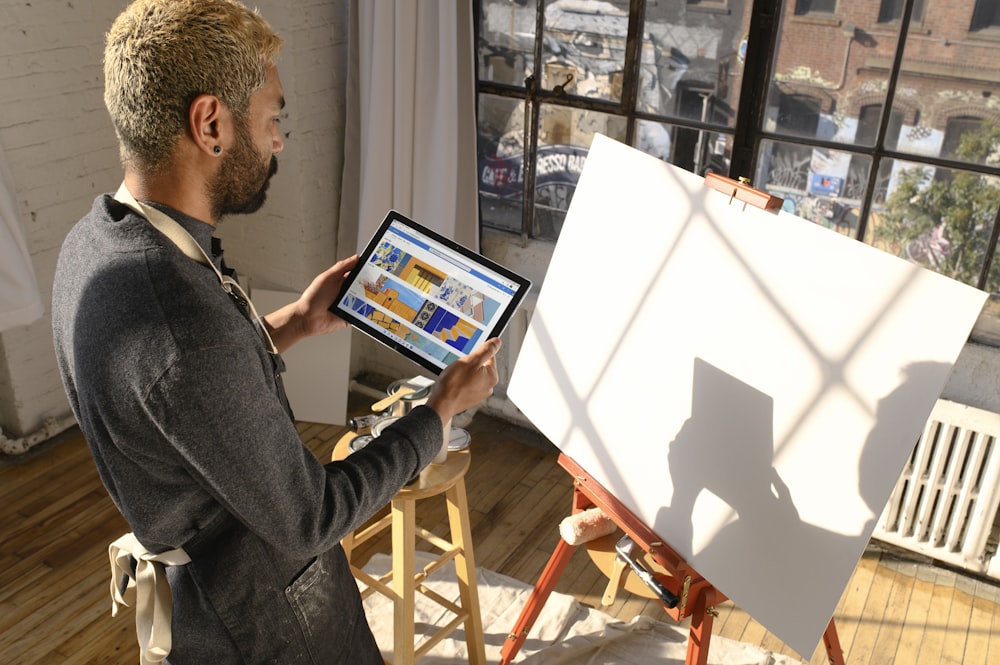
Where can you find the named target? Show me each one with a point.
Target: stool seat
(403, 582)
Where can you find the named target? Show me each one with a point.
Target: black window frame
(747, 132)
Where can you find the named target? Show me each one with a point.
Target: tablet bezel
(520, 284)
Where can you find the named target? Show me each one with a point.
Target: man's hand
(466, 382)
(310, 314)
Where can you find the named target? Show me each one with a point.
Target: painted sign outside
(503, 177)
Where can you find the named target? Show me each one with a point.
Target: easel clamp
(742, 191)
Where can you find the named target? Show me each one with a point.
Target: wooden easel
(697, 597)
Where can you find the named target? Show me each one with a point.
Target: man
(176, 386)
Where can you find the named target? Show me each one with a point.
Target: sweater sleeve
(225, 426)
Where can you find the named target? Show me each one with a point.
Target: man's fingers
(488, 351)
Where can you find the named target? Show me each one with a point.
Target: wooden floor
(56, 522)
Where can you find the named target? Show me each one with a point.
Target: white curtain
(20, 301)
(411, 130)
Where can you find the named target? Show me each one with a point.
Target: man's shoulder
(107, 225)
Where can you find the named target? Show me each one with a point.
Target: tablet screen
(426, 296)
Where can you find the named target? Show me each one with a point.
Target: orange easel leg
(536, 601)
(832, 643)
(700, 634)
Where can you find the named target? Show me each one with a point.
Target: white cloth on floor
(567, 632)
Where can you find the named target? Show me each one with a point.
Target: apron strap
(139, 579)
(190, 247)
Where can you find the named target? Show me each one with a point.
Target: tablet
(426, 296)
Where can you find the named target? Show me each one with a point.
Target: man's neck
(173, 190)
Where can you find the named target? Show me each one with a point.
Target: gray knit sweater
(177, 398)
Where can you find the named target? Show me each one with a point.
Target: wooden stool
(449, 478)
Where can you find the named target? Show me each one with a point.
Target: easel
(698, 597)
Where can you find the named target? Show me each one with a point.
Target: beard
(240, 186)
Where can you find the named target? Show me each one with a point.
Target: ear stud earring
(217, 150)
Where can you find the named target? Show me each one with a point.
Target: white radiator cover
(945, 502)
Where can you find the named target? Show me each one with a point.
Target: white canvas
(318, 369)
(747, 383)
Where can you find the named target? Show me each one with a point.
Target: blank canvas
(749, 384)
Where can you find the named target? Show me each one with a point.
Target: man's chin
(256, 204)
(248, 207)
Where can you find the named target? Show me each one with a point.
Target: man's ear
(207, 119)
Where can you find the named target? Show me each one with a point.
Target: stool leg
(465, 567)
(403, 583)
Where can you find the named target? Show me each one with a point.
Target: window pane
(506, 40)
(819, 185)
(697, 151)
(947, 91)
(830, 78)
(940, 223)
(815, 6)
(584, 47)
(892, 10)
(986, 15)
(564, 137)
(692, 64)
(501, 160)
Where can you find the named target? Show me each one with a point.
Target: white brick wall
(294, 237)
(62, 153)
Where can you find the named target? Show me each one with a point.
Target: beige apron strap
(147, 590)
(180, 237)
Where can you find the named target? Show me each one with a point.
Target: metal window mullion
(762, 36)
(991, 247)
(883, 124)
(531, 116)
(854, 149)
(630, 70)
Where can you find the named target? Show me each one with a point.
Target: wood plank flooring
(56, 522)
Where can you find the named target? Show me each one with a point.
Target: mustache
(273, 168)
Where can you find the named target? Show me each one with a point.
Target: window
(892, 10)
(869, 120)
(959, 130)
(709, 4)
(798, 115)
(891, 140)
(986, 15)
(803, 7)
(552, 75)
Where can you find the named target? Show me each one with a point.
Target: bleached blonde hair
(160, 55)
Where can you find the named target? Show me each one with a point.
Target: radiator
(944, 504)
